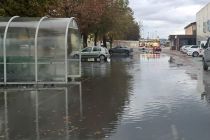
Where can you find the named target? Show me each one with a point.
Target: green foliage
(105, 18)
(29, 8)
(2, 12)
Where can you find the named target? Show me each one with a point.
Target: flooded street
(144, 97)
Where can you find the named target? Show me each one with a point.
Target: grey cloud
(171, 13)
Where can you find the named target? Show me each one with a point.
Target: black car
(121, 50)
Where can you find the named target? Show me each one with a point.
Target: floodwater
(143, 97)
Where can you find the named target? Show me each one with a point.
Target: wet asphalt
(140, 97)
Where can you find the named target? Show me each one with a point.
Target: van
(206, 55)
(202, 43)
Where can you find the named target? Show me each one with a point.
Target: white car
(186, 48)
(182, 49)
(194, 50)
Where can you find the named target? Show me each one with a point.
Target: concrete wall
(203, 23)
(131, 44)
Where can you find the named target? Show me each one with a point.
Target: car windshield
(187, 46)
(195, 47)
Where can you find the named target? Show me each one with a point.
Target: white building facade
(203, 24)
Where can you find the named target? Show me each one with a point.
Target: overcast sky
(164, 17)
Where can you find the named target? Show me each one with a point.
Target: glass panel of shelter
(20, 59)
(3, 24)
(74, 46)
(51, 50)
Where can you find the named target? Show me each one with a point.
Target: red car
(157, 49)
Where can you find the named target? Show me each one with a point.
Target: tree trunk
(110, 40)
(104, 41)
(84, 35)
(95, 38)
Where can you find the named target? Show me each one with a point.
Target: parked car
(158, 49)
(95, 53)
(206, 55)
(194, 50)
(121, 50)
(185, 48)
(143, 49)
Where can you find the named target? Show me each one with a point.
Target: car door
(96, 52)
(117, 49)
(121, 49)
(86, 52)
(207, 52)
(195, 48)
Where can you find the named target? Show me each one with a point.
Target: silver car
(94, 53)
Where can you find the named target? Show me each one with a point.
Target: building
(177, 41)
(190, 29)
(203, 24)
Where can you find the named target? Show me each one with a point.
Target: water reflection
(105, 97)
(150, 56)
(90, 69)
(88, 110)
(39, 113)
(206, 82)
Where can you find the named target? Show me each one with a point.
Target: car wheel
(205, 66)
(102, 57)
(110, 52)
(195, 54)
(105, 59)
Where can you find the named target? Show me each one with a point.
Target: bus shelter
(39, 50)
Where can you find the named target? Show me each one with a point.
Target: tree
(118, 23)
(106, 19)
(30, 8)
(87, 12)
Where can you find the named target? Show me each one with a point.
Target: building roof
(191, 24)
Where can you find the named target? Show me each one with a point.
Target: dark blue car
(121, 50)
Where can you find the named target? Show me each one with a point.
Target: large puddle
(140, 97)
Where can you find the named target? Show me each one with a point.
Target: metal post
(81, 102)
(4, 49)
(67, 114)
(66, 49)
(6, 116)
(35, 44)
(37, 116)
(80, 57)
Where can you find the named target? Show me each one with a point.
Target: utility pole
(141, 28)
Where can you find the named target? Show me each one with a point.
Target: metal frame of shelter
(64, 62)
